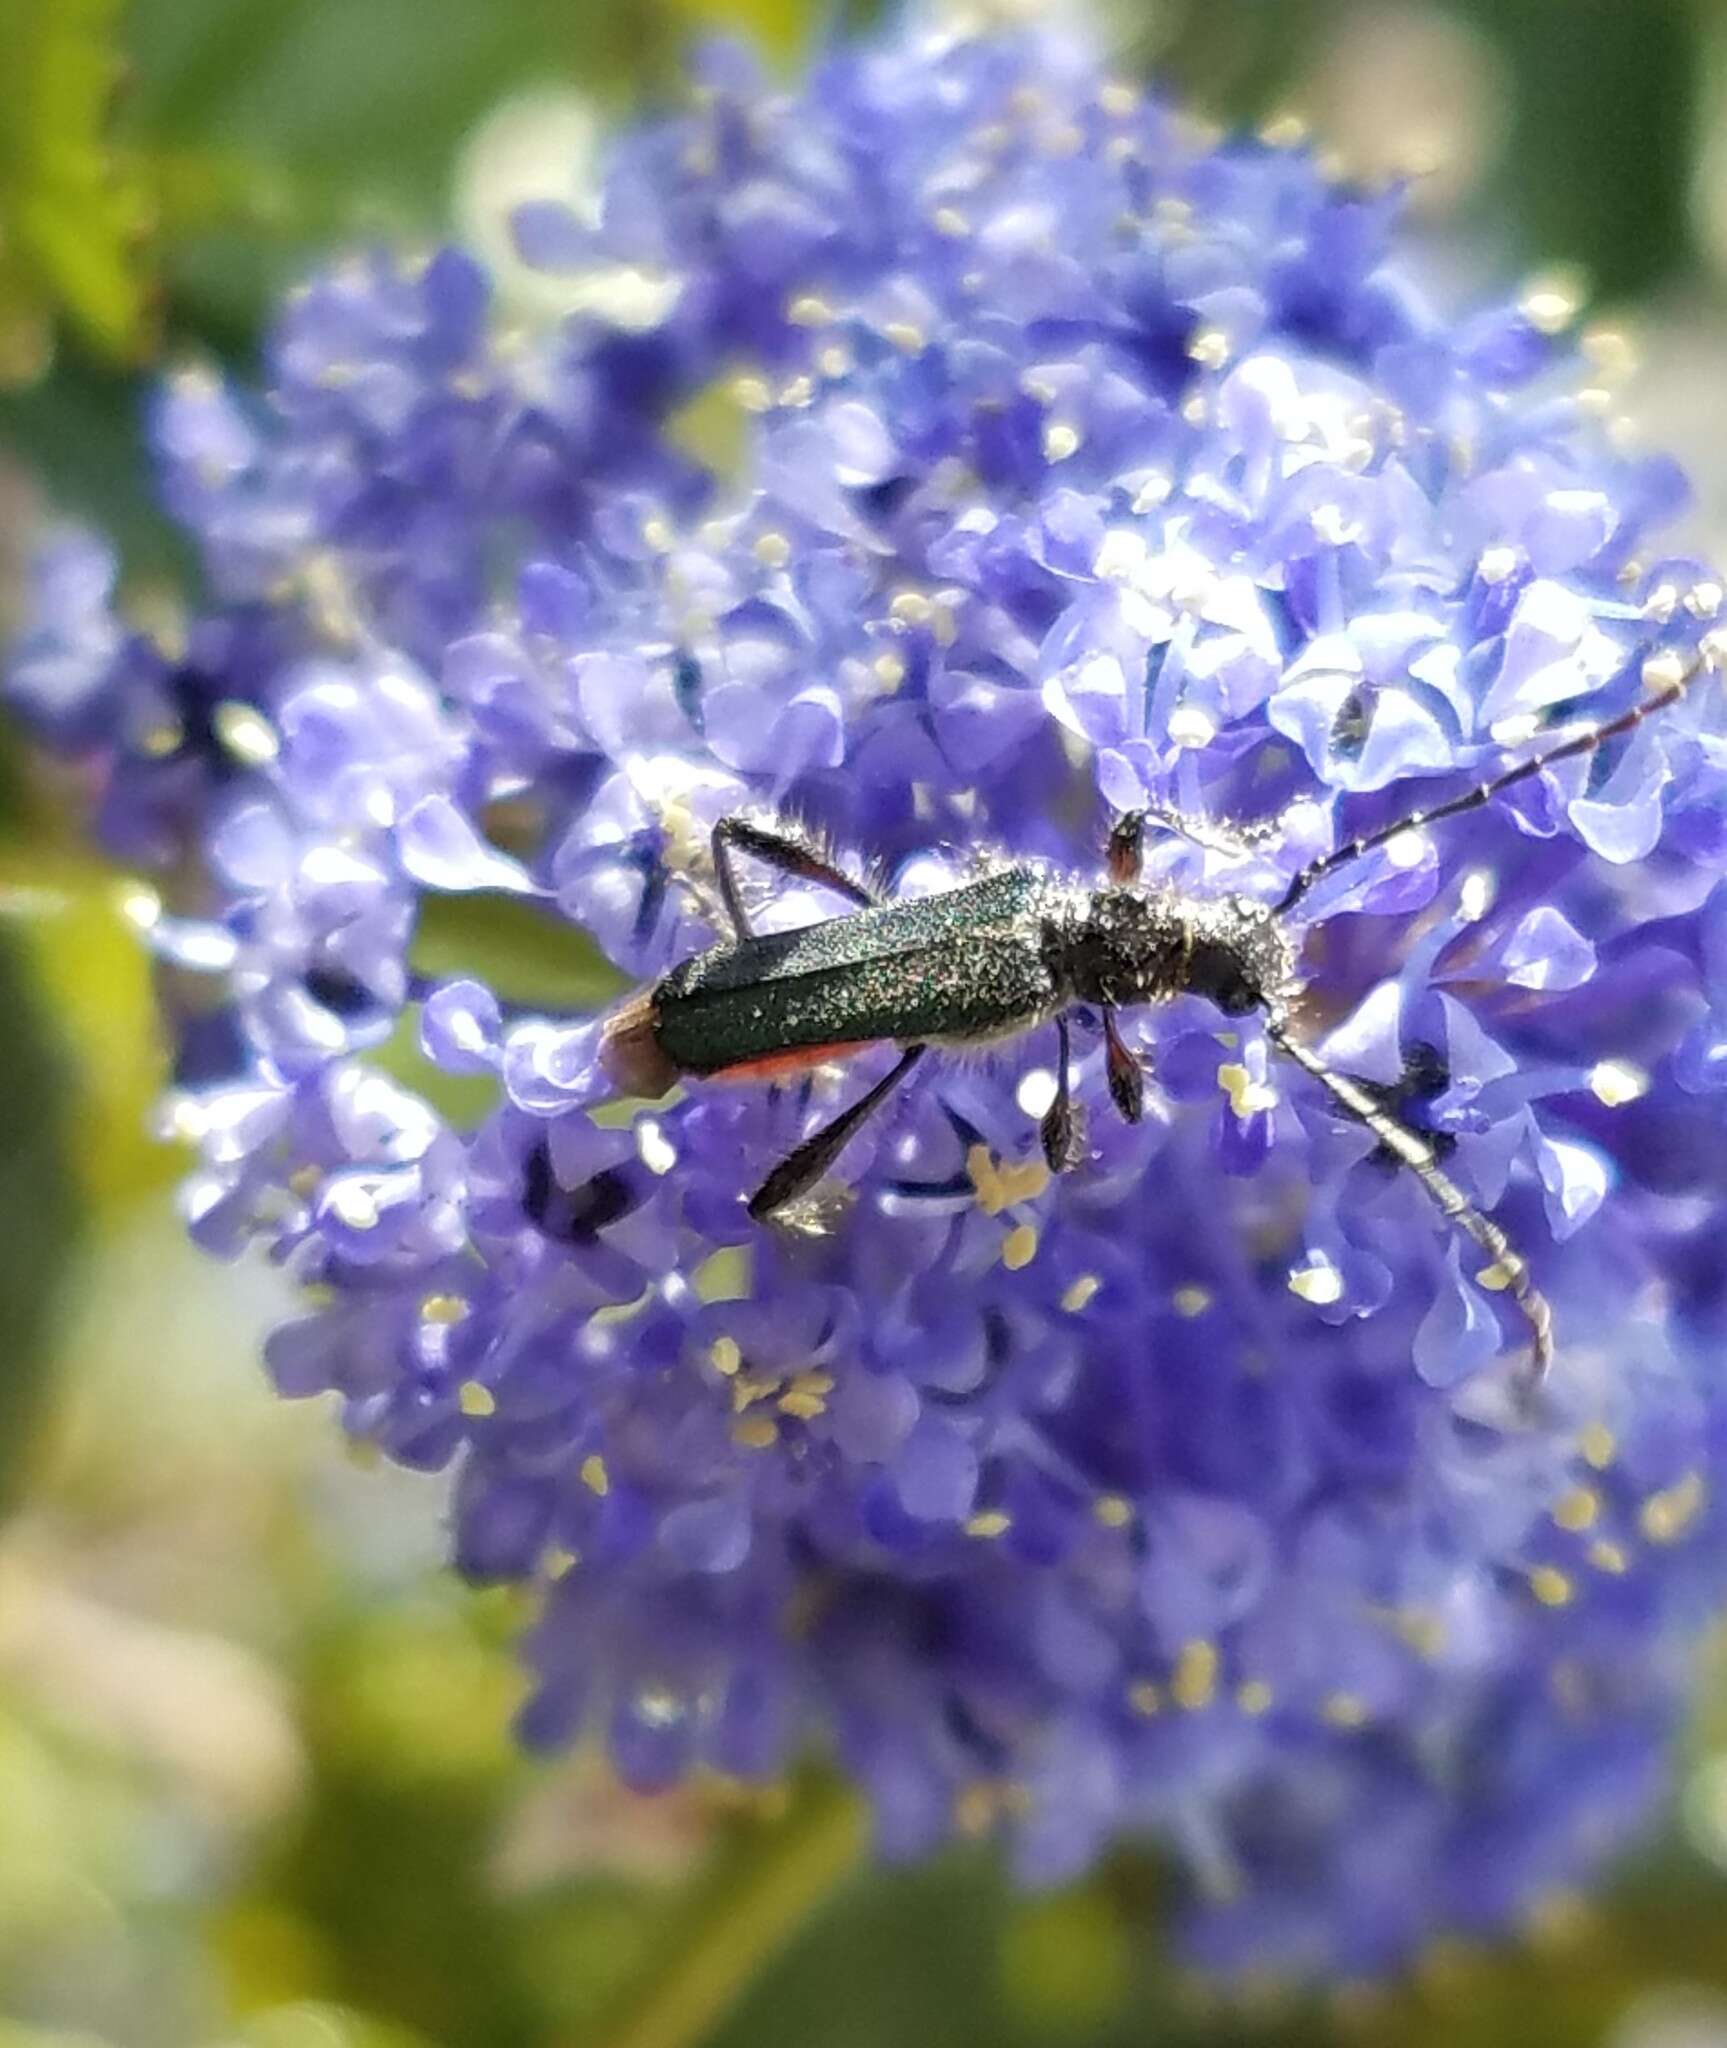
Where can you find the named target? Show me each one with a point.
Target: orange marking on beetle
(775, 1066)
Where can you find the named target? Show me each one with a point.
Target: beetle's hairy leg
(799, 1171)
(1126, 1075)
(1409, 1148)
(1060, 1127)
(1125, 856)
(1215, 835)
(783, 848)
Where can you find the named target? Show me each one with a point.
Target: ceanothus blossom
(1082, 462)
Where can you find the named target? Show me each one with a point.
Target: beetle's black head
(1239, 958)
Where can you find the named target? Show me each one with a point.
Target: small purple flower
(1087, 464)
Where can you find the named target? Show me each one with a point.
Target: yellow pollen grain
(160, 741)
(909, 340)
(981, 1170)
(723, 1276)
(246, 734)
(476, 1400)
(1247, 1097)
(809, 310)
(888, 670)
(1610, 351)
(751, 393)
(1550, 302)
(1609, 1558)
(911, 608)
(1060, 440)
(798, 391)
(949, 221)
(1019, 1247)
(807, 1396)
(1191, 1301)
(725, 1356)
(975, 1808)
(1497, 1277)
(1424, 1633)
(1117, 99)
(1552, 1587)
(1344, 1710)
(1194, 1684)
(1321, 1284)
(990, 1523)
(1145, 1698)
(1253, 1697)
(1662, 671)
(443, 1308)
(1113, 1510)
(835, 360)
(595, 1477)
(1598, 1445)
(1614, 1083)
(772, 550)
(1578, 1509)
(1664, 1517)
(1023, 1183)
(1080, 1292)
(749, 1388)
(756, 1433)
(1209, 348)
(1284, 131)
(559, 1563)
(615, 1312)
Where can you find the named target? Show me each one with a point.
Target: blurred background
(255, 1784)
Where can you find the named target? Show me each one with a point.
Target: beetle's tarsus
(1125, 1074)
(1062, 1126)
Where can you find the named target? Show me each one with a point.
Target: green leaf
(37, 1213)
(527, 958)
(62, 914)
(72, 213)
(338, 121)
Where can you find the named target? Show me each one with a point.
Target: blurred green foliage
(256, 1786)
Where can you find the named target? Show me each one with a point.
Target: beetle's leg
(1060, 1125)
(1216, 835)
(1126, 1075)
(1414, 1150)
(799, 1171)
(777, 847)
(1125, 857)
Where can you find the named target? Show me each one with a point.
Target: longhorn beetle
(1020, 946)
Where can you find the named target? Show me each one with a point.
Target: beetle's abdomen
(965, 966)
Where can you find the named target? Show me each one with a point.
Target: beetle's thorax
(1126, 944)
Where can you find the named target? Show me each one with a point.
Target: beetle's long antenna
(1665, 692)
(1410, 1149)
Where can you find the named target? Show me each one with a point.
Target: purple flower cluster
(1086, 462)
